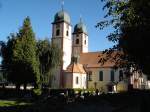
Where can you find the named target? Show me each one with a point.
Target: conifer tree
(24, 56)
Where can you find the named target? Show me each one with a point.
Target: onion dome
(80, 28)
(62, 16)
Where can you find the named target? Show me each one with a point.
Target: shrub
(37, 92)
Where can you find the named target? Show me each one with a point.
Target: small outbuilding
(75, 76)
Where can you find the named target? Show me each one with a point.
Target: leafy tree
(6, 52)
(19, 57)
(131, 22)
(50, 58)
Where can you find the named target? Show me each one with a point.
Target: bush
(37, 92)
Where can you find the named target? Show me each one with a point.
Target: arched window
(90, 76)
(85, 42)
(67, 33)
(112, 75)
(77, 41)
(57, 32)
(77, 80)
(101, 76)
(120, 75)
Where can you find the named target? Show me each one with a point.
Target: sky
(41, 13)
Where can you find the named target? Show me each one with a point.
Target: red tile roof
(92, 59)
(75, 68)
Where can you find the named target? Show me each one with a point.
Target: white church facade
(70, 74)
(81, 68)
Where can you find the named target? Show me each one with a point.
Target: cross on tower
(62, 4)
(81, 18)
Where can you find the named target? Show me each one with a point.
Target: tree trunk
(17, 86)
(25, 87)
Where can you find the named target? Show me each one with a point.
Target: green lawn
(8, 103)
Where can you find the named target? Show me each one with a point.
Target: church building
(81, 68)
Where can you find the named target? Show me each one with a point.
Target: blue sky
(41, 13)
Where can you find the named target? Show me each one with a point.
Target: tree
(131, 22)
(24, 55)
(6, 52)
(19, 57)
(50, 58)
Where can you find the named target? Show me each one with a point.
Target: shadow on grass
(135, 101)
(18, 108)
(17, 105)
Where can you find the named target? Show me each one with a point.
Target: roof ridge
(79, 68)
(92, 52)
(82, 70)
(73, 67)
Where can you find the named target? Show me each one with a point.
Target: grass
(7, 103)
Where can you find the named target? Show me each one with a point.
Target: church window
(85, 42)
(57, 32)
(77, 41)
(90, 76)
(77, 80)
(120, 75)
(112, 75)
(101, 76)
(67, 33)
(77, 35)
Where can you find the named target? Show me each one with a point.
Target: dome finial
(80, 27)
(62, 5)
(80, 18)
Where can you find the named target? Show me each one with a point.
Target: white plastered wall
(81, 80)
(64, 42)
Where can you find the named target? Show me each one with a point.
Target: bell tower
(80, 39)
(61, 36)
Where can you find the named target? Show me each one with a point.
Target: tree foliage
(27, 61)
(6, 52)
(19, 56)
(50, 58)
(131, 21)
